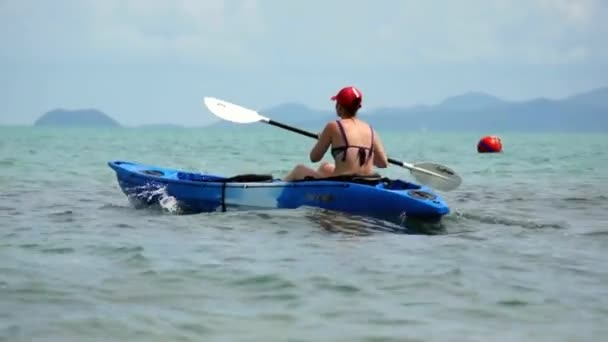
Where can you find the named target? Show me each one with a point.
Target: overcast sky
(152, 61)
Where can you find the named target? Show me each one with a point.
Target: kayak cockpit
(242, 178)
(372, 180)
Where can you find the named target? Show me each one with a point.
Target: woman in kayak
(355, 147)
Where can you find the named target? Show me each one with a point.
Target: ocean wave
(503, 221)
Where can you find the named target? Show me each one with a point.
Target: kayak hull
(388, 199)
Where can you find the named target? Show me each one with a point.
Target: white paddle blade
(232, 112)
(448, 179)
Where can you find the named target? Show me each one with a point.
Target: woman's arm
(380, 158)
(323, 143)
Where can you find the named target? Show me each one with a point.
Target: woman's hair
(353, 109)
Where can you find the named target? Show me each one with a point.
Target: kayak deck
(377, 197)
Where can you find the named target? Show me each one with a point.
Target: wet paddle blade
(448, 181)
(232, 112)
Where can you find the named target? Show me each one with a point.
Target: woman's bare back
(353, 147)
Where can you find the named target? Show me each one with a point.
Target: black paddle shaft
(293, 129)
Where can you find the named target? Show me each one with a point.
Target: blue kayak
(375, 197)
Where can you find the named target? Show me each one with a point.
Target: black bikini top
(362, 153)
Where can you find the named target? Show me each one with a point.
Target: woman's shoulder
(332, 123)
(365, 123)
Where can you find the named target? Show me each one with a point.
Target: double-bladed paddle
(431, 174)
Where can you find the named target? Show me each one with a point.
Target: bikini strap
(343, 133)
(371, 147)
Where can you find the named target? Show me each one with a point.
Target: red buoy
(489, 144)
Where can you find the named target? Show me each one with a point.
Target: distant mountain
(296, 113)
(293, 113)
(469, 102)
(597, 97)
(160, 126)
(473, 111)
(79, 117)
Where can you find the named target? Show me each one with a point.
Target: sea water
(522, 255)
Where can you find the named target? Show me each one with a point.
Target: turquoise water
(521, 257)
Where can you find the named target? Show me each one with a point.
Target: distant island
(78, 117)
(472, 111)
(160, 125)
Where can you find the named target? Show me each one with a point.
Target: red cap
(349, 97)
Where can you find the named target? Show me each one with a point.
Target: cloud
(577, 12)
(289, 34)
(496, 32)
(207, 31)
